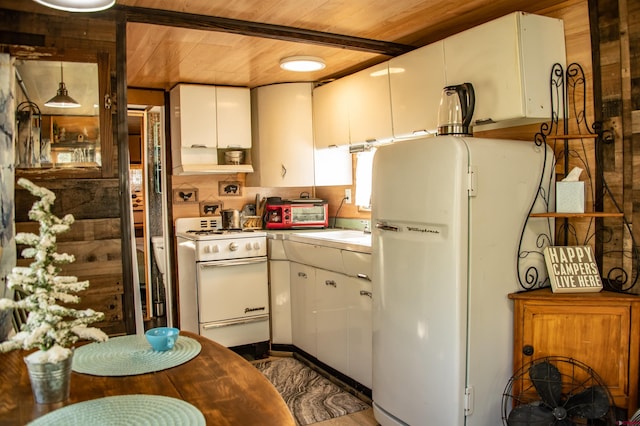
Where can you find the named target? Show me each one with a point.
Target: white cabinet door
(193, 126)
(282, 149)
(233, 106)
(416, 80)
(280, 294)
(508, 61)
(331, 114)
(333, 166)
(303, 307)
(332, 160)
(369, 104)
(331, 319)
(359, 299)
(196, 111)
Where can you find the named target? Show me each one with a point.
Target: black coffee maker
(456, 110)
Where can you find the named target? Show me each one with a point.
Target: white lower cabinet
(303, 307)
(359, 300)
(331, 315)
(332, 319)
(280, 293)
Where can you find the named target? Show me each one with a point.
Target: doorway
(149, 213)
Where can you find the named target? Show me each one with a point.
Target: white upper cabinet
(331, 114)
(233, 105)
(193, 128)
(416, 80)
(333, 163)
(282, 151)
(508, 61)
(369, 104)
(203, 119)
(194, 108)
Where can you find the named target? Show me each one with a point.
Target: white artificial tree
(51, 326)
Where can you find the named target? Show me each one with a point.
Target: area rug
(310, 397)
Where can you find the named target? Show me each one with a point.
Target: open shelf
(570, 136)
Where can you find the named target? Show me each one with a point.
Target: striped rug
(310, 397)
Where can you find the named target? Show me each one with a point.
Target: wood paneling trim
(81, 230)
(122, 133)
(105, 113)
(83, 198)
(259, 29)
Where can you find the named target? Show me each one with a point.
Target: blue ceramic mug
(162, 338)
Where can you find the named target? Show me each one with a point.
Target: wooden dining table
(225, 387)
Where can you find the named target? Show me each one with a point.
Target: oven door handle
(219, 324)
(233, 262)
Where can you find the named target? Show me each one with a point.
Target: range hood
(210, 169)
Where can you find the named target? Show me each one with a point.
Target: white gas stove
(214, 243)
(222, 282)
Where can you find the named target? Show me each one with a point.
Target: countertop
(344, 239)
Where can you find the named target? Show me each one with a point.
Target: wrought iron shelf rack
(574, 141)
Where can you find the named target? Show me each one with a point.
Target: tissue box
(570, 197)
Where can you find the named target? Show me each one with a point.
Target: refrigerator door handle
(386, 227)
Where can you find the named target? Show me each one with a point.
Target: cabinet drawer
(313, 255)
(357, 264)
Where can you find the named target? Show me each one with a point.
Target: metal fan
(556, 391)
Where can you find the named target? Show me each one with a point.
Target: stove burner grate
(217, 231)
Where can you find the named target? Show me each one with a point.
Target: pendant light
(78, 5)
(62, 98)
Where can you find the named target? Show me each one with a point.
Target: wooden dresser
(602, 330)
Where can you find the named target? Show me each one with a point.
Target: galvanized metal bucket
(50, 381)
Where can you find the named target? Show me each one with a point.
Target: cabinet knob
(527, 350)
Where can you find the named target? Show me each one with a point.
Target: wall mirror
(54, 135)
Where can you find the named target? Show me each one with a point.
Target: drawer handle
(366, 293)
(196, 145)
(364, 277)
(302, 275)
(332, 283)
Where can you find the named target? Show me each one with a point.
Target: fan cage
(576, 377)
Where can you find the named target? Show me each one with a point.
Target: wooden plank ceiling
(160, 56)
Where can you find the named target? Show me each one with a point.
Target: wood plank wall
(619, 109)
(94, 239)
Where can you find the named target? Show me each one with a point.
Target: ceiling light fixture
(62, 98)
(302, 63)
(78, 5)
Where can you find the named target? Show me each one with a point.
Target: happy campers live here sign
(572, 269)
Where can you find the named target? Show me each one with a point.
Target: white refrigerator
(447, 217)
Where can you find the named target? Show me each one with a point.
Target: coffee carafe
(456, 110)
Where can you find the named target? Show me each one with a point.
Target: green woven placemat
(130, 355)
(125, 410)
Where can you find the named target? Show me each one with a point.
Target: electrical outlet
(347, 196)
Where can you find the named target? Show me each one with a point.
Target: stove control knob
(211, 249)
(233, 246)
(256, 245)
(248, 246)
